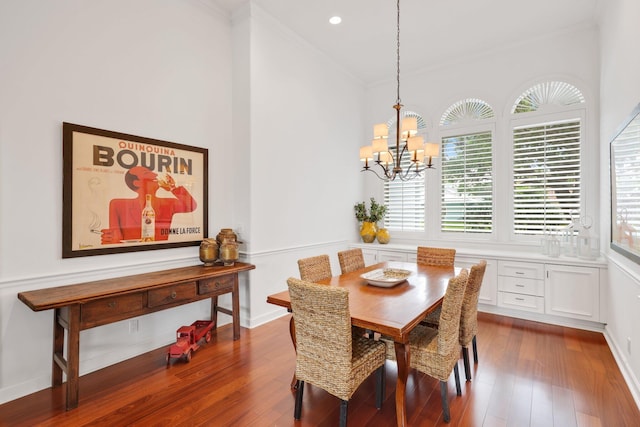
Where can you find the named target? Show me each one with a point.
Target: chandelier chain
(398, 101)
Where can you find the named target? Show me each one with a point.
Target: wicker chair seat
(468, 316)
(351, 260)
(435, 352)
(425, 356)
(436, 256)
(314, 269)
(329, 354)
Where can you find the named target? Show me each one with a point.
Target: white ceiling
(431, 31)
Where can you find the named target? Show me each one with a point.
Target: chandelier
(409, 144)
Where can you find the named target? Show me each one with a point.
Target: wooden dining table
(391, 311)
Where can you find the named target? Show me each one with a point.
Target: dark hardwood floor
(529, 374)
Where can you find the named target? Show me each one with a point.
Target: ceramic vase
(383, 236)
(209, 252)
(368, 231)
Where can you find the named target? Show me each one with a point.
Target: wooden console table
(86, 305)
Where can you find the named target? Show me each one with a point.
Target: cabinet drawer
(521, 302)
(521, 269)
(216, 285)
(107, 310)
(521, 286)
(391, 256)
(171, 294)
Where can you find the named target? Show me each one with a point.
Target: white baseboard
(625, 369)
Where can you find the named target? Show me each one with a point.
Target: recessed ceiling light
(335, 20)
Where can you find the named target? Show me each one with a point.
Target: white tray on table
(386, 277)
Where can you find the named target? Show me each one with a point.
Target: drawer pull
(112, 304)
(174, 295)
(217, 284)
(519, 285)
(519, 272)
(519, 299)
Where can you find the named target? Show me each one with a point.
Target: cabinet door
(370, 256)
(572, 292)
(489, 288)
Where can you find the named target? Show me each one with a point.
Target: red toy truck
(188, 339)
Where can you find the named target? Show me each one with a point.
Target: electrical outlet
(133, 326)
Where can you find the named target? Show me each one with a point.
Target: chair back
(469, 313)
(323, 332)
(436, 256)
(449, 326)
(351, 260)
(315, 268)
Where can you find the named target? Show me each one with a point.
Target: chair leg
(445, 402)
(456, 374)
(465, 359)
(343, 413)
(380, 374)
(475, 350)
(298, 407)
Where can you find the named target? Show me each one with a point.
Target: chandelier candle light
(420, 154)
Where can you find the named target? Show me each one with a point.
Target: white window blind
(546, 175)
(467, 183)
(405, 201)
(626, 183)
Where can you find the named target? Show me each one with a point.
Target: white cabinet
(572, 291)
(370, 256)
(489, 288)
(526, 285)
(392, 256)
(521, 286)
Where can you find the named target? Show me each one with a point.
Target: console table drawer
(108, 309)
(218, 284)
(171, 294)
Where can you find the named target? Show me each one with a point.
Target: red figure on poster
(125, 215)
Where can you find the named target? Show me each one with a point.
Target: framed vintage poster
(125, 193)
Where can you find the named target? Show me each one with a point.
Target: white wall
(619, 94)
(306, 129)
(497, 77)
(155, 68)
(167, 70)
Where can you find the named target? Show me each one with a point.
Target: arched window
(467, 167)
(546, 94)
(404, 199)
(546, 157)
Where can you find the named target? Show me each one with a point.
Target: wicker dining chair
(436, 352)
(329, 355)
(436, 256)
(351, 260)
(314, 269)
(468, 317)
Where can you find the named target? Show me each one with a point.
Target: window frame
(466, 128)
(538, 118)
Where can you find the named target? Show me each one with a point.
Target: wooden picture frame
(625, 188)
(108, 178)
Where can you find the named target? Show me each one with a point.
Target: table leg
(214, 311)
(235, 308)
(73, 356)
(58, 349)
(402, 358)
